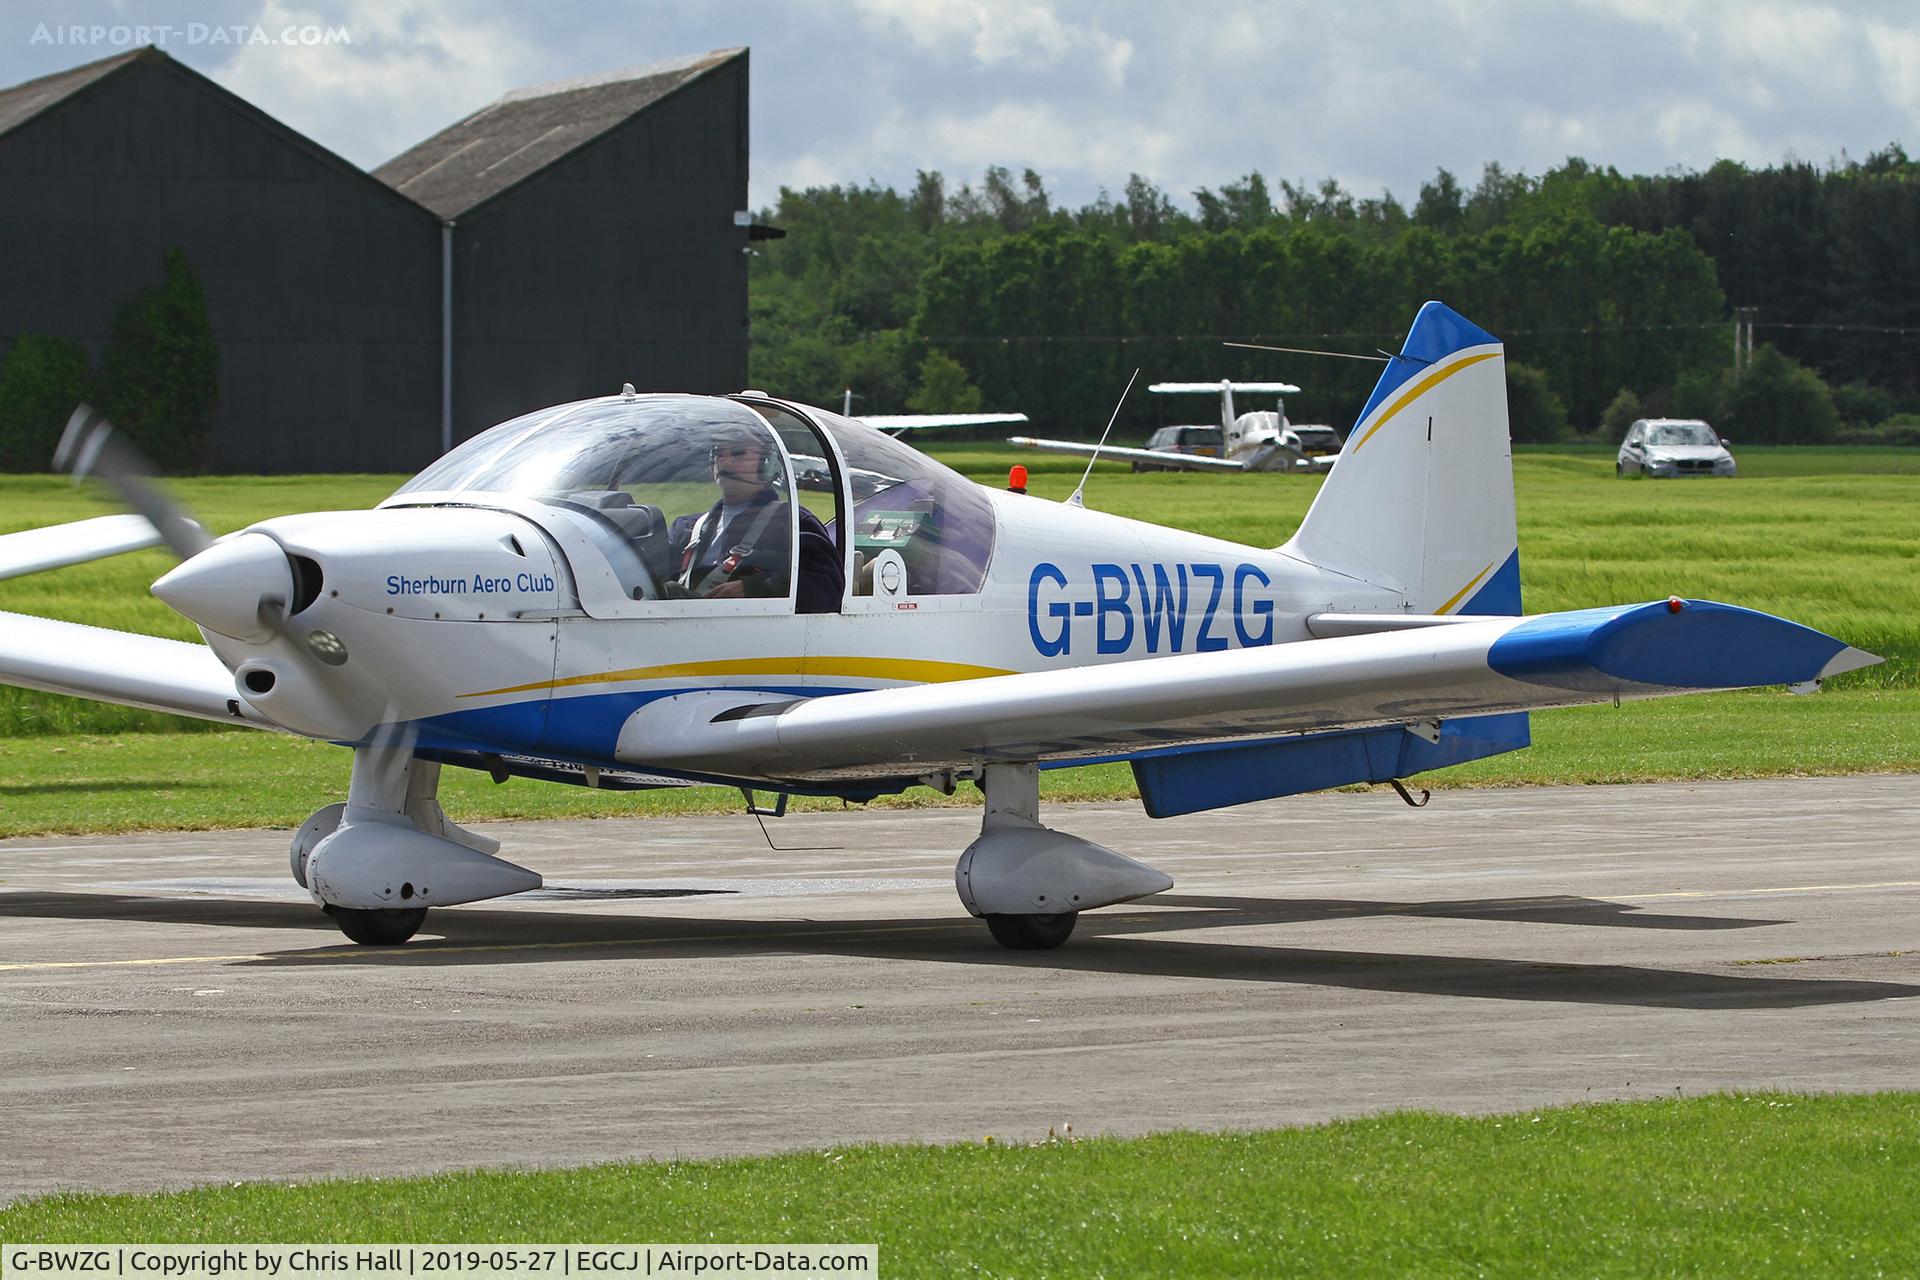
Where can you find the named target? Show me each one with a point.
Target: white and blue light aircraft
(540, 603)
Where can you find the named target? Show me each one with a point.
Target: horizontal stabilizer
(1215, 777)
(1215, 388)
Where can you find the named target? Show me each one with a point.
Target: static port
(259, 680)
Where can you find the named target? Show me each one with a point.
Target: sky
(1377, 95)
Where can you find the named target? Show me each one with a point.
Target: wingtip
(1848, 659)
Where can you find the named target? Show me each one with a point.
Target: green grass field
(84, 783)
(1829, 537)
(1748, 1185)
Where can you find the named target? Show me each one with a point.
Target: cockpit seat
(645, 526)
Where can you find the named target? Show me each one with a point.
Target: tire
(379, 928)
(1032, 933)
(1619, 469)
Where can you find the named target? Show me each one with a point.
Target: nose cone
(225, 587)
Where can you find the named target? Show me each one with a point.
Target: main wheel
(379, 928)
(1032, 933)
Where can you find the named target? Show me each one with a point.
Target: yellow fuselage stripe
(1419, 389)
(908, 670)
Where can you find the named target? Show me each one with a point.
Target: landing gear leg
(378, 862)
(388, 785)
(1030, 883)
(1013, 803)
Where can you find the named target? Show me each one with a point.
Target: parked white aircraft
(1261, 440)
(895, 424)
(562, 597)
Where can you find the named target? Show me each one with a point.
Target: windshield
(686, 496)
(1681, 433)
(931, 524)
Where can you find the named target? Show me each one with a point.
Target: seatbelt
(720, 571)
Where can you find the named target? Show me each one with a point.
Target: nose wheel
(378, 928)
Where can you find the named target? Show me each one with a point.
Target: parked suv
(1203, 442)
(1673, 447)
(1316, 440)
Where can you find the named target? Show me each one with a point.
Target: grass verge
(241, 778)
(1744, 1185)
(1822, 536)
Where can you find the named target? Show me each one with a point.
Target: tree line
(1613, 293)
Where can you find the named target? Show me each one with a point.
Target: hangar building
(546, 248)
(594, 236)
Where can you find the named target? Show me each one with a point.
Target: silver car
(1673, 447)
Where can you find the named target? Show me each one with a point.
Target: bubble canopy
(636, 475)
(594, 445)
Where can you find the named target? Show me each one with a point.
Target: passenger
(738, 547)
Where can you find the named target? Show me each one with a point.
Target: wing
(1115, 453)
(1214, 388)
(56, 547)
(898, 422)
(1412, 677)
(119, 666)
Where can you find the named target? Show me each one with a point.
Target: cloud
(1088, 91)
(1027, 33)
(1079, 152)
(1047, 141)
(1897, 60)
(412, 68)
(1696, 128)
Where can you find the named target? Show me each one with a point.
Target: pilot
(738, 547)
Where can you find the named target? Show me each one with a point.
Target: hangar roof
(512, 139)
(22, 102)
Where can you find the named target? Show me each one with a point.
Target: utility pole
(1743, 321)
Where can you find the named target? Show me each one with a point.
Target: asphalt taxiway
(173, 1011)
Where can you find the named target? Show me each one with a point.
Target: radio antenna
(1382, 358)
(1079, 492)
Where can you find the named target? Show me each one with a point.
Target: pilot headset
(767, 469)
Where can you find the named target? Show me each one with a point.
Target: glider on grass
(562, 597)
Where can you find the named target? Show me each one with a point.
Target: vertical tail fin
(1421, 499)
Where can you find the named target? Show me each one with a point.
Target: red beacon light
(1675, 604)
(1017, 477)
